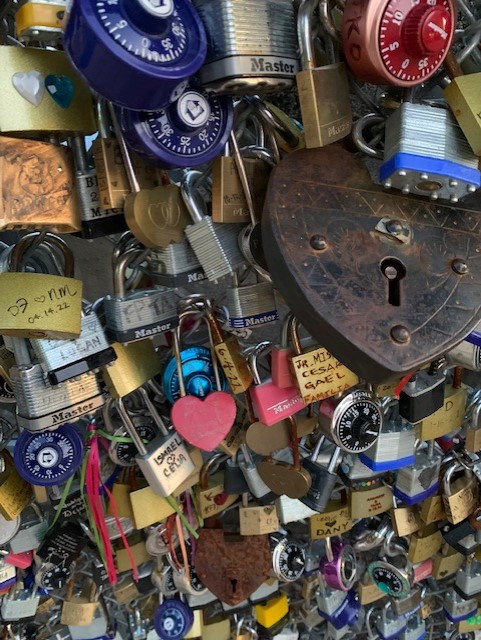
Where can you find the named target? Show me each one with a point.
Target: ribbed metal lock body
(215, 245)
(134, 315)
(65, 359)
(252, 45)
(41, 406)
(426, 153)
(175, 265)
(251, 305)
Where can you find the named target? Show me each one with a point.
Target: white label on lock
(7, 572)
(159, 8)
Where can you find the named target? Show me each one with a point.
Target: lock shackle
(294, 333)
(191, 195)
(79, 150)
(372, 635)
(286, 330)
(29, 242)
(272, 119)
(455, 467)
(260, 349)
(128, 258)
(210, 466)
(328, 548)
(157, 418)
(259, 152)
(385, 609)
(178, 358)
(129, 425)
(126, 241)
(393, 548)
(305, 18)
(317, 448)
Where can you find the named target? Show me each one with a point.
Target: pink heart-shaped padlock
(204, 423)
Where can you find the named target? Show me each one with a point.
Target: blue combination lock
(137, 54)
(189, 132)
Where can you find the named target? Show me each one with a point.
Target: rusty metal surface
(232, 570)
(325, 255)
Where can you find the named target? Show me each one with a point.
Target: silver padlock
(165, 462)
(250, 305)
(32, 530)
(175, 266)
(214, 244)
(19, 603)
(63, 360)
(252, 45)
(135, 315)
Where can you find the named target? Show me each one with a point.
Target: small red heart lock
(204, 422)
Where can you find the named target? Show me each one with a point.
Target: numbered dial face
(191, 131)
(50, 457)
(357, 422)
(389, 580)
(413, 38)
(172, 620)
(124, 24)
(52, 576)
(288, 560)
(123, 453)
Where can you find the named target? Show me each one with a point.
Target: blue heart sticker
(61, 89)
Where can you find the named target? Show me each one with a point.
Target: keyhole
(233, 584)
(394, 270)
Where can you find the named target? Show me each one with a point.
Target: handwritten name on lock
(320, 375)
(50, 307)
(330, 523)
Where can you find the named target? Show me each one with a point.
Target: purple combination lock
(339, 565)
(190, 132)
(137, 54)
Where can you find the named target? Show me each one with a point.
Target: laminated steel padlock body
(62, 360)
(252, 45)
(175, 266)
(139, 314)
(339, 289)
(41, 406)
(250, 306)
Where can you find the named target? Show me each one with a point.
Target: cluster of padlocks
(271, 427)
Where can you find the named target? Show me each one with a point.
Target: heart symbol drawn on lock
(331, 523)
(204, 423)
(30, 86)
(40, 299)
(61, 89)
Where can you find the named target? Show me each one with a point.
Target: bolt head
(394, 227)
(318, 242)
(459, 266)
(400, 334)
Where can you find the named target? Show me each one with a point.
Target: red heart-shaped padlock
(204, 423)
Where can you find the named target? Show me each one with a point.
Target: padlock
(394, 448)
(33, 527)
(446, 562)
(40, 21)
(210, 496)
(457, 608)
(285, 477)
(364, 503)
(415, 630)
(292, 510)
(63, 360)
(424, 544)
(172, 50)
(317, 373)
(337, 607)
(394, 577)
(408, 605)
(288, 558)
(353, 421)
(175, 266)
(187, 133)
(234, 479)
(203, 421)
(468, 579)
(46, 95)
(250, 305)
(136, 364)
(214, 245)
(40, 305)
(140, 314)
(323, 478)
(388, 625)
(79, 610)
(270, 403)
(339, 565)
(467, 353)
(271, 616)
(256, 485)
(96, 221)
(335, 520)
(264, 59)
(405, 519)
(422, 396)
(19, 603)
(401, 49)
(257, 520)
(473, 423)
(421, 480)
(280, 368)
(229, 202)
(450, 417)
(414, 160)
(324, 121)
(165, 462)
(15, 492)
(461, 495)
(463, 537)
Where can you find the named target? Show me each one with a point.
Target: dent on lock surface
(329, 263)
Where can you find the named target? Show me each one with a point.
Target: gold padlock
(460, 497)
(370, 502)
(79, 610)
(209, 495)
(15, 492)
(424, 544)
(136, 364)
(446, 562)
(42, 93)
(334, 520)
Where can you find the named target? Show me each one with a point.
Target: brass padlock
(424, 544)
(42, 94)
(79, 610)
(210, 497)
(460, 497)
(136, 364)
(15, 492)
